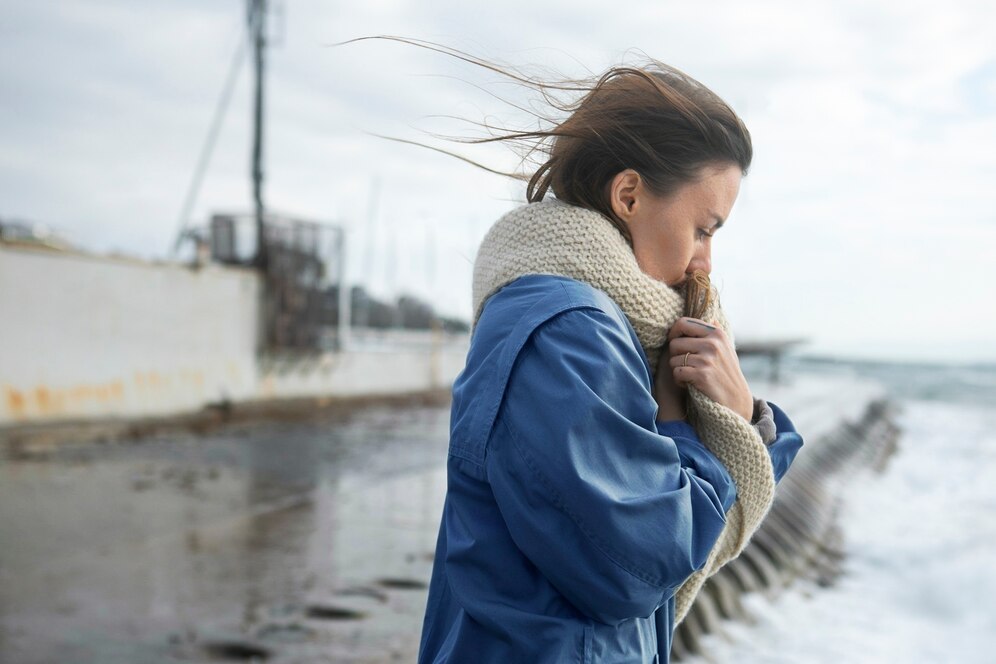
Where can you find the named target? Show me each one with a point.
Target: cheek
(673, 262)
(680, 259)
(654, 262)
(663, 256)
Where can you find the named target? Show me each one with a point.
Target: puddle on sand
(403, 584)
(325, 612)
(115, 552)
(236, 651)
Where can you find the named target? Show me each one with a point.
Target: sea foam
(919, 581)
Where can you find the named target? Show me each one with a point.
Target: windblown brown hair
(698, 295)
(652, 118)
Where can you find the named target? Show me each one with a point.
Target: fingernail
(706, 325)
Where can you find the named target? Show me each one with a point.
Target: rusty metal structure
(301, 262)
(305, 306)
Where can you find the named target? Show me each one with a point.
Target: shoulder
(533, 299)
(566, 328)
(552, 314)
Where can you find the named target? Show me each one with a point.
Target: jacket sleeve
(697, 459)
(786, 443)
(776, 430)
(592, 494)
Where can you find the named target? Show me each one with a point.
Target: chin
(678, 284)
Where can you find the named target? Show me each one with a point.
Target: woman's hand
(702, 355)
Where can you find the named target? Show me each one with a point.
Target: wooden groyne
(850, 431)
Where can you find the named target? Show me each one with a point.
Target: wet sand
(282, 542)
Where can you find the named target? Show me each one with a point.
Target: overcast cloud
(866, 223)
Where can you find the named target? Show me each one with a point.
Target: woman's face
(672, 235)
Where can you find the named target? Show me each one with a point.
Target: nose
(702, 260)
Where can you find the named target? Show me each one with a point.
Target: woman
(606, 453)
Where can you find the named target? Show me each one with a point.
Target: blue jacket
(571, 515)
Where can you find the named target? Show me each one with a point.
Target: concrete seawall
(89, 339)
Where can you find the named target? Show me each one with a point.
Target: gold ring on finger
(684, 362)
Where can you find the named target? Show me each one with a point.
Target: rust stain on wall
(192, 377)
(44, 400)
(154, 381)
(80, 392)
(16, 402)
(49, 402)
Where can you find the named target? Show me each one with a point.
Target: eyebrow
(719, 221)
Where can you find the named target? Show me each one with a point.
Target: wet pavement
(283, 542)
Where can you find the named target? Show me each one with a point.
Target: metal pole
(345, 294)
(257, 27)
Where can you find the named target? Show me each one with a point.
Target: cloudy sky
(866, 224)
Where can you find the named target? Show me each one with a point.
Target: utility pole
(257, 36)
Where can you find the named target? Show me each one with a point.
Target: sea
(919, 577)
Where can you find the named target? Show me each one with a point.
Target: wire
(206, 151)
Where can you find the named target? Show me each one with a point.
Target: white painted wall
(88, 336)
(376, 362)
(92, 337)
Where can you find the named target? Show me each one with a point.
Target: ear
(624, 191)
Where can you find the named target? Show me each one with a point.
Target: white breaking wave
(920, 575)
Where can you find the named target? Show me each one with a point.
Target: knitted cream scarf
(555, 238)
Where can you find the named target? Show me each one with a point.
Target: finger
(690, 327)
(687, 359)
(684, 376)
(682, 345)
